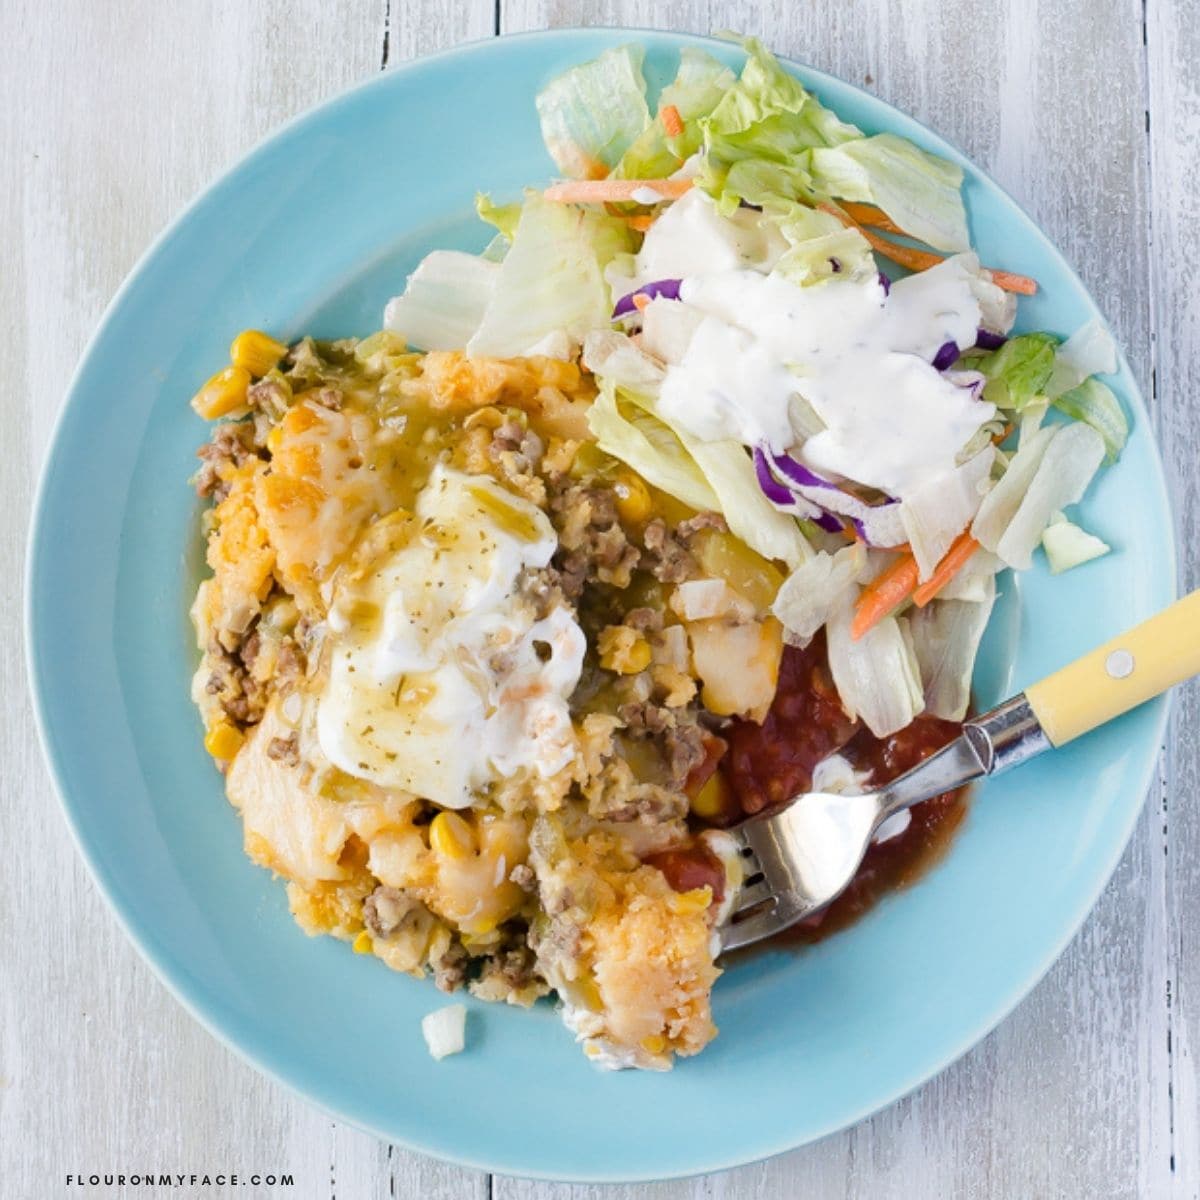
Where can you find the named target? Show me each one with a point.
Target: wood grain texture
(113, 117)
(1088, 111)
(1173, 36)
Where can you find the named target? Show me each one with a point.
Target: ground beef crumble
(269, 398)
(243, 684)
(285, 750)
(665, 555)
(649, 803)
(232, 681)
(450, 971)
(688, 529)
(387, 910)
(592, 542)
(233, 444)
(559, 942)
(522, 875)
(514, 967)
(543, 589)
(518, 449)
(677, 731)
(668, 554)
(644, 620)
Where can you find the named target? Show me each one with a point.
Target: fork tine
(753, 928)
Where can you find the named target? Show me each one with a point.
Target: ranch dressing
(860, 356)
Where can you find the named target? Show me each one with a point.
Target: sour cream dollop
(441, 677)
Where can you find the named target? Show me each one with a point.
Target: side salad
(787, 325)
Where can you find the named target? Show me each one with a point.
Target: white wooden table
(115, 112)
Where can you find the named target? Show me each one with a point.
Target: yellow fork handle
(1121, 674)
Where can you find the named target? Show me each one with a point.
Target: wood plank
(1059, 1099)
(113, 117)
(1173, 35)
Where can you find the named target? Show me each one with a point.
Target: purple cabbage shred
(946, 356)
(666, 289)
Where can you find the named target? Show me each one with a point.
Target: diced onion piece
(445, 1030)
(1068, 546)
(701, 599)
(671, 647)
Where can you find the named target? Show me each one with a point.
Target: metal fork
(800, 859)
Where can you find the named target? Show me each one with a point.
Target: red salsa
(692, 866)
(768, 764)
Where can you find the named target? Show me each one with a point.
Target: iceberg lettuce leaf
(591, 114)
(444, 300)
(636, 437)
(694, 92)
(1093, 402)
(920, 192)
(551, 281)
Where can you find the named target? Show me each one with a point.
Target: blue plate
(312, 233)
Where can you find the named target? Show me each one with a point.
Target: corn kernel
(451, 836)
(479, 930)
(223, 394)
(623, 649)
(654, 1044)
(634, 504)
(490, 417)
(585, 991)
(275, 439)
(695, 901)
(363, 944)
(223, 740)
(256, 352)
(712, 800)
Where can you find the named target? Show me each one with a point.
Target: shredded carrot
(952, 562)
(868, 214)
(921, 260)
(907, 256)
(1011, 282)
(641, 301)
(884, 594)
(1002, 436)
(640, 223)
(672, 121)
(598, 191)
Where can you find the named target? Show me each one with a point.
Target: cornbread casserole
(446, 677)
